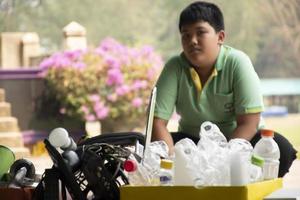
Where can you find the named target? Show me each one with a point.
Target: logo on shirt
(228, 107)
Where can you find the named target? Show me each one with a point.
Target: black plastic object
(120, 138)
(102, 167)
(18, 164)
(94, 169)
(65, 172)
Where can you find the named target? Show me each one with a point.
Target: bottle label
(164, 179)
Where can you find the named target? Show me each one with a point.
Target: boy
(213, 82)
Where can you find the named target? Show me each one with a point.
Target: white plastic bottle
(268, 149)
(256, 170)
(166, 172)
(183, 154)
(239, 169)
(213, 132)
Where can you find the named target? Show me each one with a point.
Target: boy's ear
(221, 35)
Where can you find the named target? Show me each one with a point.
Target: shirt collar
(221, 58)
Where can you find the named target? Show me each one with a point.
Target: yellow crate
(254, 191)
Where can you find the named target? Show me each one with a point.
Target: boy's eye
(185, 36)
(199, 33)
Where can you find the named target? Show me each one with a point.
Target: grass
(289, 126)
(292, 134)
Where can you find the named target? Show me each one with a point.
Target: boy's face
(201, 43)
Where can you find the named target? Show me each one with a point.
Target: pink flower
(108, 43)
(94, 97)
(73, 55)
(79, 65)
(112, 62)
(120, 77)
(147, 50)
(112, 46)
(46, 63)
(100, 51)
(90, 117)
(137, 102)
(114, 76)
(102, 113)
(42, 74)
(125, 60)
(112, 97)
(134, 53)
(98, 106)
(61, 61)
(152, 73)
(138, 84)
(122, 90)
(85, 109)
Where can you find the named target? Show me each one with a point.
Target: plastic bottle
(184, 152)
(152, 157)
(213, 132)
(239, 168)
(268, 149)
(256, 173)
(166, 172)
(135, 173)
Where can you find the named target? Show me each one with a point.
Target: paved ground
(292, 179)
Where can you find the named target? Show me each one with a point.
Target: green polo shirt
(233, 89)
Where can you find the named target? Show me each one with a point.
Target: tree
(242, 22)
(279, 55)
(132, 22)
(286, 15)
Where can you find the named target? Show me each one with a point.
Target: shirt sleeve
(167, 86)
(246, 86)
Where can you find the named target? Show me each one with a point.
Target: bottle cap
(130, 165)
(267, 132)
(257, 160)
(166, 164)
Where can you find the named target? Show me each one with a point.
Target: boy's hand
(160, 132)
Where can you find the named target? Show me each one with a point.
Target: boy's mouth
(194, 50)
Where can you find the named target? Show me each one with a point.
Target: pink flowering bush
(109, 83)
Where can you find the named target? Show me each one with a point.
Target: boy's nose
(194, 40)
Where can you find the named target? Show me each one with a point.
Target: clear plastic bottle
(213, 132)
(256, 173)
(136, 174)
(166, 172)
(268, 149)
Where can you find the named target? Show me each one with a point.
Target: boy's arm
(246, 126)
(160, 132)
(248, 101)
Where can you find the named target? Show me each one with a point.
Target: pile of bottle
(211, 162)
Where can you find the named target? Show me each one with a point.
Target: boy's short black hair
(202, 11)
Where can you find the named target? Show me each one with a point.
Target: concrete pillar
(10, 135)
(74, 36)
(10, 50)
(30, 48)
